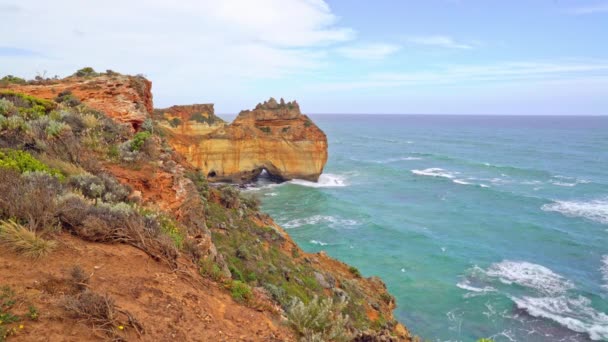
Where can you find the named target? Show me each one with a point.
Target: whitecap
(326, 180)
(574, 313)
(320, 243)
(484, 185)
(593, 210)
(460, 181)
(435, 172)
(564, 184)
(392, 160)
(331, 221)
(272, 194)
(529, 275)
(466, 285)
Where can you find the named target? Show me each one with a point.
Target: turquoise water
(480, 226)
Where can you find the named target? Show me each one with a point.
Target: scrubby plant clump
(86, 72)
(22, 161)
(20, 239)
(319, 320)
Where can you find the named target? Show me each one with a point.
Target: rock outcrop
(193, 121)
(275, 137)
(126, 99)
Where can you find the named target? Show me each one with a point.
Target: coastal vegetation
(70, 171)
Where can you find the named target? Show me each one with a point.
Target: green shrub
(12, 79)
(66, 97)
(55, 129)
(24, 102)
(320, 320)
(170, 228)
(138, 140)
(7, 108)
(307, 123)
(86, 72)
(22, 161)
(240, 291)
(354, 271)
(175, 122)
(208, 268)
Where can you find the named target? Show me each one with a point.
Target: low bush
(230, 196)
(30, 199)
(210, 269)
(22, 161)
(86, 72)
(21, 240)
(175, 122)
(240, 291)
(66, 97)
(319, 320)
(354, 271)
(138, 140)
(27, 103)
(10, 79)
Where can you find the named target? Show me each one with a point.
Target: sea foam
(575, 313)
(533, 276)
(593, 210)
(331, 221)
(435, 172)
(326, 180)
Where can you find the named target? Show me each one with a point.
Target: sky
(518, 57)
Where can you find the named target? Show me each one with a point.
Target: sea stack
(275, 136)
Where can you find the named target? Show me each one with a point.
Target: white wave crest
(435, 172)
(593, 210)
(564, 184)
(466, 285)
(574, 313)
(326, 180)
(460, 181)
(331, 221)
(320, 243)
(604, 270)
(530, 275)
(392, 160)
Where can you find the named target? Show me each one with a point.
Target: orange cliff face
(275, 137)
(126, 99)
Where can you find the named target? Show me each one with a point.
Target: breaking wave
(326, 180)
(549, 295)
(593, 210)
(331, 221)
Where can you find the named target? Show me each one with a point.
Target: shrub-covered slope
(107, 233)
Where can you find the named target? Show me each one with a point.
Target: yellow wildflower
(120, 327)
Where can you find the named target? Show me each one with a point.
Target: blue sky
(336, 56)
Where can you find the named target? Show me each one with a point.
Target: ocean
(481, 226)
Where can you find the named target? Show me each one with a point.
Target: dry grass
(23, 241)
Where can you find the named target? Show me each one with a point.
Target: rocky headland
(111, 230)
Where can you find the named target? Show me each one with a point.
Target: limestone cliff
(190, 120)
(127, 99)
(275, 137)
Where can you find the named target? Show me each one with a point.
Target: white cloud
(370, 51)
(439, 41)
(192, 50)
(591, 9)
(507, 72)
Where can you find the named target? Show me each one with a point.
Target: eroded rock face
(275, 137)
(189, 121)
(126, 99)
